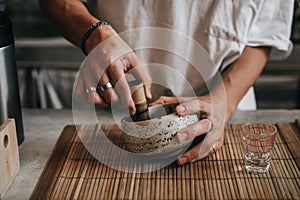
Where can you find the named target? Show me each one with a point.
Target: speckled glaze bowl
(157, 134)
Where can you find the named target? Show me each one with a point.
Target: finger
(85, 81)
(193, 106)
(108, 94)
(116, 72)
(94, 96)
(165, 100)
(168, 100)
(139, 73)
(211, 149)
(194, 130)
(81, 91)
(194, 154)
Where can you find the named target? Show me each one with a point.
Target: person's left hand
(212, 124)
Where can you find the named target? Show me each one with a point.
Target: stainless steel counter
(43, 127)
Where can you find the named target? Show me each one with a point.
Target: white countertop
(43, 127)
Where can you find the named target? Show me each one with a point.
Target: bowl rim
(166, 107)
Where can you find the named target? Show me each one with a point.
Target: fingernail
(131, 111)
(181, 109)
(149, 95)
(210, 126)
(182, 160)
(181, 137)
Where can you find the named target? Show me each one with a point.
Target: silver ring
(211, 125)
(91, 89)
(104, 87)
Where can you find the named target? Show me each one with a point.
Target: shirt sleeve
(272, 27)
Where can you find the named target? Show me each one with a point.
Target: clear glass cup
(258, 140)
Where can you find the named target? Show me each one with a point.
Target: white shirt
(222, 27)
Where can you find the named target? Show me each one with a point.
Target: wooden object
(72, 173)
(9, 155)
(140, 101)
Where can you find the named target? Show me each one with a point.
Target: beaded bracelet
(88, 33)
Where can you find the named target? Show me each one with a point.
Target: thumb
(192, 106)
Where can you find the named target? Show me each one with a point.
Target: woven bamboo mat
(72, 173)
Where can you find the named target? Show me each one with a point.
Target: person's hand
(106, 66)
(211, 123)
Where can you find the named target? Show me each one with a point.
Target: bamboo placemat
(72, 173)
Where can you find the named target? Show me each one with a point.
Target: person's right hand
(108, 62)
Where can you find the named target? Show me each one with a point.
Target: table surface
(43, 127)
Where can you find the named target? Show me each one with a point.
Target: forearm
(242, 74)
(71, 17)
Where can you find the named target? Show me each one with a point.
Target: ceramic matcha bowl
(157, 134)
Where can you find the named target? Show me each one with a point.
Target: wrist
(230, 102)
(96, 36)
(224, 99)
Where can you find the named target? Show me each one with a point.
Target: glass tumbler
(258, 141)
